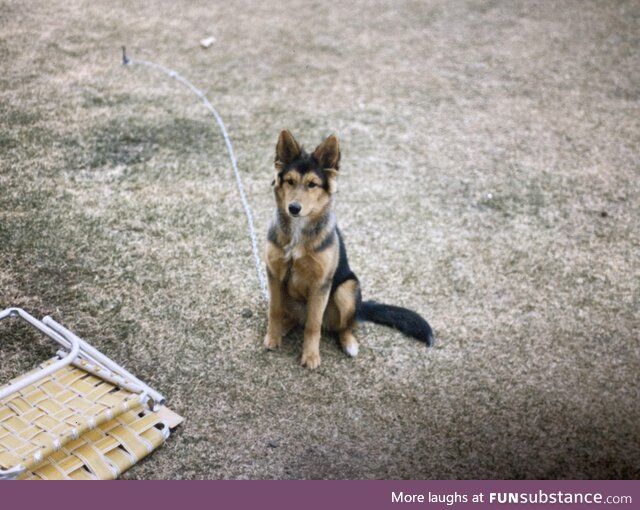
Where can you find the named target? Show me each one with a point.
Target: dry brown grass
(490, 181)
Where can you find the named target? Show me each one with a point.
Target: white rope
(243, 198)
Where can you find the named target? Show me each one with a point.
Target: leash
(243, 197)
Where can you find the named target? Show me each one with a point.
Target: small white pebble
(207, 41)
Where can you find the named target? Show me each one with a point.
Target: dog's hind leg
(349, 342)
(341, 314)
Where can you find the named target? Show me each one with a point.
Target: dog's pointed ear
(327, 154)
(287, 149)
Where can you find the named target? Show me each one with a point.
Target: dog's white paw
(352, 349)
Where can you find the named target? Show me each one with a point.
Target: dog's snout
(294, 208)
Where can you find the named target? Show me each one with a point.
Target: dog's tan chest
(303, 274)
(297, 287)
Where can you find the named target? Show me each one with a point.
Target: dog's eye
(311, 185)
(290, 182)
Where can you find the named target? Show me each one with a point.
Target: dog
(310, 281)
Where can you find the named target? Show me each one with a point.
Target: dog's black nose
(294, 209)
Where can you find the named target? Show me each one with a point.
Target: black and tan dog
(310, 281)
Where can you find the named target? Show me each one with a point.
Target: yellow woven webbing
(40, 419)
(104, 453)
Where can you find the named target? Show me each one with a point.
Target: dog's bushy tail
(405, 321)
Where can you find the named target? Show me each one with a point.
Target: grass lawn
(490, 180)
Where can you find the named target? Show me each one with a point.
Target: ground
(489, 180)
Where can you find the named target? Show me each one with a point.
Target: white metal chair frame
(79, 353)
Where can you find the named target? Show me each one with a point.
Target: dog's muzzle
(294, 209)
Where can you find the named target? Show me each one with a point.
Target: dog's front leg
(316, 305)
(273, 339)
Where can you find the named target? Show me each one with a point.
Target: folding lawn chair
(78, 415)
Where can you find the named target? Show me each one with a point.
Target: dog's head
(304, 183)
